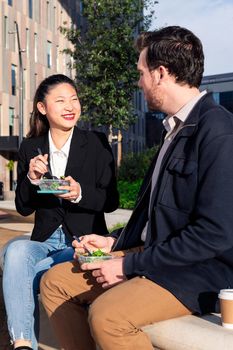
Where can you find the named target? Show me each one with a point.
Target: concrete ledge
(47, 340)
(190, 333)
(9, 195)
(184, 333)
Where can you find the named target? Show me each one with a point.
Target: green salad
(97, 255)
(99, 252)
(54, 186)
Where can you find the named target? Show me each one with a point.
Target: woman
(54, 144)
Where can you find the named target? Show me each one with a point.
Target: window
(60, 18)
(57, 58)
(37, 11)
(11, 120)
(5, 38)
(27, 42)
(54, 18)
(81, 8)
(216, 96)
(48, 15)
(143, 127)
(10, 2)
(35, 82)
(30, 8)
(35, 47)
(64, 63)
(13, 38)
(49, 54)
(13, 79)
(24, 83)
(140, 101)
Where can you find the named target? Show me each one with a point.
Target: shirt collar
(170, 121)
(65, 148)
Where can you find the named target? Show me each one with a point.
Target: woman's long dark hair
(39, 124)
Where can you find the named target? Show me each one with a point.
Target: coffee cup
(226, 307)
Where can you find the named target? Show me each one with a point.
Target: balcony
(9, 143)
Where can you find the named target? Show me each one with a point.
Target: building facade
(220, 85)
(31, 48)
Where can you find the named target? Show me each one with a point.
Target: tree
(105, 59)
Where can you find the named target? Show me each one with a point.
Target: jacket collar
(191, 123)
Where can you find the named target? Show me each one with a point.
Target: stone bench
(191, 333)
(183, 333)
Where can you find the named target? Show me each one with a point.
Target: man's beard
(154, 99)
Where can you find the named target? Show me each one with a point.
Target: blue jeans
(24, 263)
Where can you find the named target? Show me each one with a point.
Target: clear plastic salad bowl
(51, 185)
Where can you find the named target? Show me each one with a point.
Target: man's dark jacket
(189, 246)
(91, 163)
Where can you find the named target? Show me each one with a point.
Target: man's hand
(108, 273)
(93, 242)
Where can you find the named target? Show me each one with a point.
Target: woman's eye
(59, 101)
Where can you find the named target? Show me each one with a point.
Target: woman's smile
(69, 116)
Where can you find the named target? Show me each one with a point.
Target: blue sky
(210, 20)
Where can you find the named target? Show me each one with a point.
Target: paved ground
(119, 216)
(12, 225)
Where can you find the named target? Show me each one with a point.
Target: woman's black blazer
(91, 163)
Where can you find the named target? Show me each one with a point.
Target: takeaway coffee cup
(226, 306)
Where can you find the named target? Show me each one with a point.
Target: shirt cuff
(34, 182)
(77, 200)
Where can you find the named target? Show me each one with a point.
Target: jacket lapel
(78, 151)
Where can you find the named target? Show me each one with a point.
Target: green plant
(130, 176)
(116, 226)
(134, 166)
(10, 165)
(128, 193)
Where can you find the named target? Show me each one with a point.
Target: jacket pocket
(180, 185)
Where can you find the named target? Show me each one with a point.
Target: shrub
(116, 226)
(134, 166)
(130, 175)
(128, 193)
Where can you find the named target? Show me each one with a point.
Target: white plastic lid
(226, 294)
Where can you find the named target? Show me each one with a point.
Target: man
(176, 252)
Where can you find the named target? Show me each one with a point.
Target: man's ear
(163, 72)
(41, 108)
